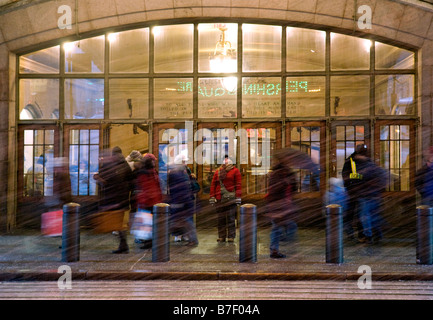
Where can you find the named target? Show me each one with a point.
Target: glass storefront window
(129, 98)
(42, 61)
(395, 94)
(39, 99)
(85, 55)
(174, 46)
(349, 52)
(307, 139)
(83, 161)
(129, 51)
(84, 98)
(217, 47)
(305, 49)
(173, 98)
(261, 97)
(217, 97)
(261, 48)
(305, 96)
(391, 57)
(350, 95)
(394, 156)
(38, 163)
(347, 138)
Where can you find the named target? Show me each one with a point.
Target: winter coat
(232, 182)
(148, 188)
(115, 178)
(282, 185)
(179, 185)
(424, 183)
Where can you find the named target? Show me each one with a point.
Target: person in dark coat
(115, 177)
(424, 179)
(279, 204)
(181, 201)
(365, 187)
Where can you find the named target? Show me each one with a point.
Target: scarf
(223, 171)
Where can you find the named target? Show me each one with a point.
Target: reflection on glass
(349, 52)
(261, 97)
(390, 57)
(305, 96)
(217, 47)
(129, 98)
(38, 163)
(394, 156)
(84, 98)
(395, 94)
(306, 139)
(261, 48)
(173, 48)
(39, 99)
(83, 161)
(42, 61)
(350, 95)
(85, 55)
(262, 143)
(129, 51)
(173, 98)
(305, 49)
(214, 100)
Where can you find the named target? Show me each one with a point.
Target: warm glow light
(230, 83)
(68, 46)
(112, 37)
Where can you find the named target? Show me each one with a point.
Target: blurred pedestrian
(336, 194)
(148, 189)
(181, 201)
(279, 204)
(34, 179)
(424, 179)
(225, 194)
(61, 185)
(134, 160)
(115, 176)
(365, 182)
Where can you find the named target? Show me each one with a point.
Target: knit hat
(135, 156)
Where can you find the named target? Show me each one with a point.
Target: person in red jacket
(225, 194)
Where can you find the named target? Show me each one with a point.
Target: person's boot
(277, 255)
(123, 245)
(147, 244)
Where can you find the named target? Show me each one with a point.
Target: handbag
(52, 223)
(225, 194)
(142, 224)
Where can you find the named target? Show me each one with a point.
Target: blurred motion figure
(424, 179)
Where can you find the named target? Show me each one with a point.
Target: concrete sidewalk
(27, 255)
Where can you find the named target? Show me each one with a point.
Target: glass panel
(84, 137)
(217, 46)
(350, 95)
(261, 48)
(404, 132)
(341, 156)
(129, 98)
(395, 132)
(173, 48)
(384, 132)
(217, 97)
(405, 170)
(173, 98)
(295, 135)
(305, 49)
(341, 133)
(83, 173)
(390, 57)
(350, 133)
(261, 97)
(85, 55)
(349, 52)
(94, 137)
(84, 98)
(73, 167)
(305, 96)
(39, 99)
(129, 51)
(360, 133)
(395, 94)
(42, 61)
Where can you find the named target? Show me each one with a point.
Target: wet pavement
(27, 255)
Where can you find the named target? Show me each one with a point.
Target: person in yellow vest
(364, 182)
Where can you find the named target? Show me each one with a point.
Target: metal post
(71, 233)
(160, 233)
(424, 234)
(334, 233)
(248, 233)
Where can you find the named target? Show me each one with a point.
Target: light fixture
(223, 59)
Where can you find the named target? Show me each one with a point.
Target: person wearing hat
(364, 182)
(424, 179)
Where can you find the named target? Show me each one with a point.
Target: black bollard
(424, 234)
(334, 233)
(160, 233)
(71, 232)
(248, 233)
